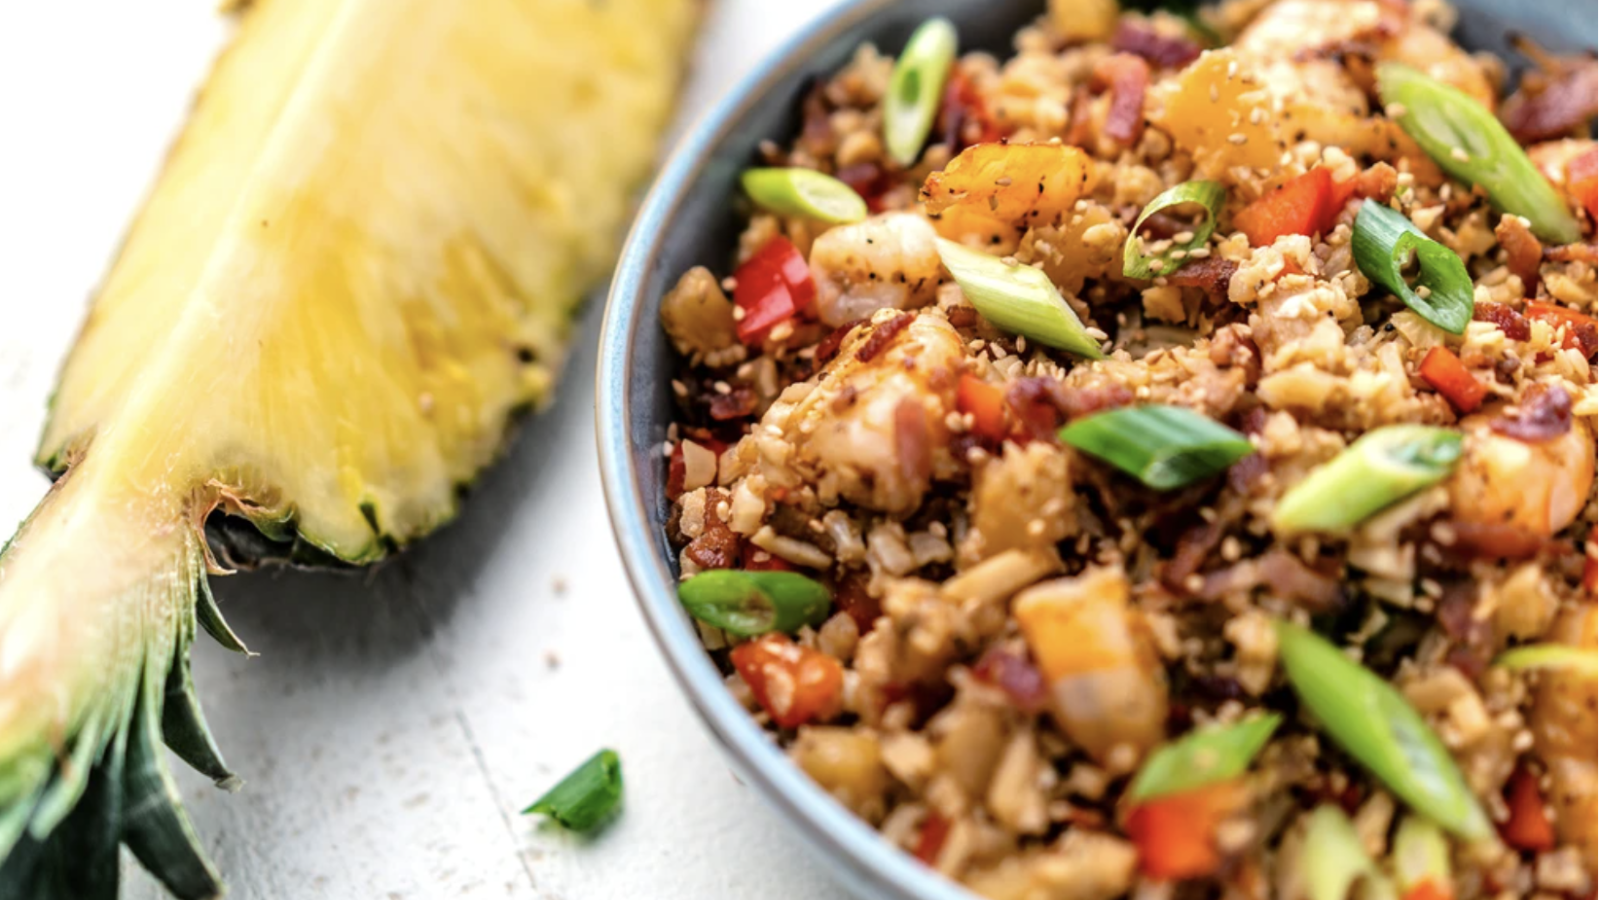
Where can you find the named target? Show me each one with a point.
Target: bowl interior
(689, 219)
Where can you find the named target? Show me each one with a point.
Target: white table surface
(393, 725)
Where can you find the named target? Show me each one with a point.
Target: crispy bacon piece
(868, 179)
(1494, 540)
(1572, 253)
(1544, 415)
(1159, 50)
(1194, 545)
(1211, 274)
(717, 547)
(829, 346)
(1553, 100)
(1524, 253)
(1040, 405)
(735, 404)
(1016, 676)
(1504, 317)
(850, 597)
(882, 336)
(1283, 574)
(1127, 77)
(963, 112)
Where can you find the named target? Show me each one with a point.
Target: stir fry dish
(1162, 463)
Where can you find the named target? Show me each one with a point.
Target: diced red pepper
(773, 286)
(851, 598)
(1452, 379)
(986, 403)
(1526, 826)
(755, 559)
(934, 831)
(1581, 329)
(1429, 890)
(676, 471)
(1583, 182)
(1176, 835)
(794, 684)
(1305, 205)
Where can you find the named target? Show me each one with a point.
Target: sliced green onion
(1019, 299)
(753, 603)
(586, 797)
(1332, 859)
(1467, 141)
(1374, 723)
(804, 192)
(1557, 657)
(1165, 447)
(1202, 757)
(916, 88)
(1383, 467)
(1420, 855)
(1206, 194)
(1383, 245)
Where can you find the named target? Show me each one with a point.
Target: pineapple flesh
(359, 264)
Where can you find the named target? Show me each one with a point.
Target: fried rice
(1017, 626)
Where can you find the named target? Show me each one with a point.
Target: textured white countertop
(392, 725)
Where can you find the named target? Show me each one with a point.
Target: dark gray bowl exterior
(689, 219)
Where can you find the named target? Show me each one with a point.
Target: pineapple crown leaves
(63, 813)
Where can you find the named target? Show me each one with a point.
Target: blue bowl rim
(870, 864)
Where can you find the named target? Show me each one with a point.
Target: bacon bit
(1076, 402)
(1036, 407)
(1544, 415)
(882, 336)
(1553, 101)
(816, 129)
(1493, 540)
(851, 598)
(1160, 50)
(1015, 675)
(736, 404)
(717, 547)
(934, 831)
(870, 180)
(677, 472)
(1582, 333)
(1524, 253)
(1526, 827)
(1211, 274)
(1080, 126)
(913, 443)
(1504, 317)
(828, 347)
(1243, 475)
(962, 316)
(1445, 372)
(1194, 545)
(1127, 77)
(962, 107)
(1376, 182)
(1284, 574)
(1572, 253)
(925, 699)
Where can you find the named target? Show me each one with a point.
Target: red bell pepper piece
(1581, 329)
(931, 841)
(1305, 205)
(773, 286)
(1452, 379)
(986, 403)
(794, 684)
(1583, 181)
(1176, 835)
(1526, 826)
(1429, 890)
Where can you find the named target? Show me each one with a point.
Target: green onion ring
(804, 192)
(754, 603)
(1467, 141)
(916, 88)
(1209, 195)
(1332, 859)
(1375, 724)
(1165, 447)
(1202, 757)
(1383, 467)
(1384, 241)
(587, 796)
(1017, 298)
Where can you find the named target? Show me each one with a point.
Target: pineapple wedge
(359, 264)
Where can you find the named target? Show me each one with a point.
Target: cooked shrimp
(871, 426)
(1563, 725)
(1538, 487)
(886, 262)
(1106, 685)
(1021, 184)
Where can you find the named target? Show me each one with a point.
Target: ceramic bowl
(688, 219)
